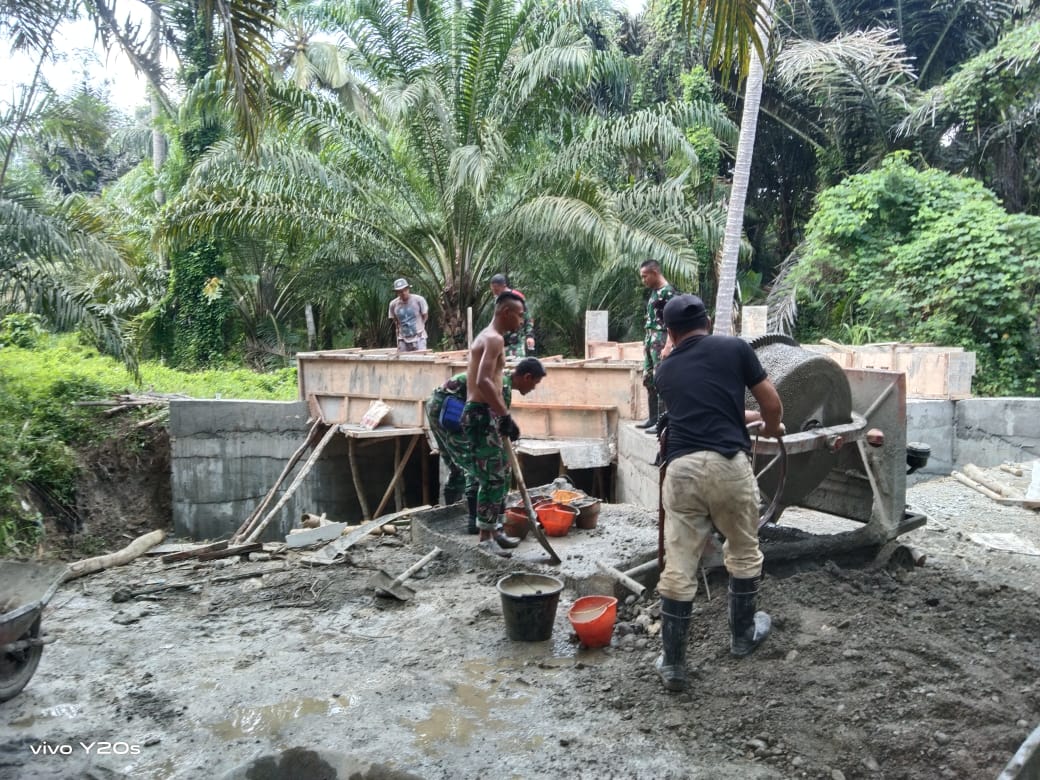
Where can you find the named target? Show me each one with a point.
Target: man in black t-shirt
(709, 481)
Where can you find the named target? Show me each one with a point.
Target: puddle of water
(269, 719)
(456, 722)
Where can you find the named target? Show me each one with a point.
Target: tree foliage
(922, 255)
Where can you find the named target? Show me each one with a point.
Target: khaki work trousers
(700, 490)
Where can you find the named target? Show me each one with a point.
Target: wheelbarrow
(25, 589)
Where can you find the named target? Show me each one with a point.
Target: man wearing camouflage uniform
(655, 335)
(486, 420)
(453, 444)
(519, 342)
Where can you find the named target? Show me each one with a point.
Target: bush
(41, 387)
(930, 257)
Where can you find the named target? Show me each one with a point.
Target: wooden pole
(135, 549)
(246, 526)
(255, 533)
(973, 471)
(355, 474)
(397, 475)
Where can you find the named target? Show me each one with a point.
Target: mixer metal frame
(865, 483)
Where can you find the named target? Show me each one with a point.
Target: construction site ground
(872, 672)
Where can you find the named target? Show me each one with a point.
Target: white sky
(79, 56)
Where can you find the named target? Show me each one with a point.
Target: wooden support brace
(397, 474)
(245, 528)
(255, 533)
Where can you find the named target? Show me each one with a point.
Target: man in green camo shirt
(655, 335)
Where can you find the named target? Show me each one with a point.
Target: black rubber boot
(661, 409)
(651, 419)
(451, 495)
(471, 504)
(748, 628)
(675, 624)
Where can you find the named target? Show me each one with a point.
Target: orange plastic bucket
(593, 619)
(556, 519)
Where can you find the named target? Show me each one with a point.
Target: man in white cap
(409, 313)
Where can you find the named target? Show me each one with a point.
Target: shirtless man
(486, 420)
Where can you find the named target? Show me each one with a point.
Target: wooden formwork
(575, 394)
(931, 371)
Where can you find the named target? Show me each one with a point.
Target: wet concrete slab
(624, 537)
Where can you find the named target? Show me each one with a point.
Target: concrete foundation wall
(226, 455)
(983, 431)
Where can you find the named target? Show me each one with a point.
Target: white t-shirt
(409, 315)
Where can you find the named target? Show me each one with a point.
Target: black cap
(685, 312)
(499, 279)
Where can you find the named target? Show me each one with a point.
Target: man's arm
(424, 309)
(772, 408)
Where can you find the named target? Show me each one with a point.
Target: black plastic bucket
(529, 604)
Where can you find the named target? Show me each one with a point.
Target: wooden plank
(194, 552)
(240, 549)
(258, 529)
(309, 536)
(566, 407)
(334, 550)
(244, 529)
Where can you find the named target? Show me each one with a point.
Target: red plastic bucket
(593, 619)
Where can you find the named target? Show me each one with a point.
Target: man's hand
(507, 427)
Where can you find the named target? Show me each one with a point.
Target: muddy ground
(872, 672)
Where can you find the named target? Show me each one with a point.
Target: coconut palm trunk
(738, 193)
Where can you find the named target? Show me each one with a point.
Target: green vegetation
(41, 385)
(925, 256)
(303, 155)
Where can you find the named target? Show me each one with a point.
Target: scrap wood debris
(124, 402)
(998, 491)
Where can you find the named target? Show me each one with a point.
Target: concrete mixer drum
(845, 449)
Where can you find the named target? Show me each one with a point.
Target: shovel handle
(416, 566)
(532, 518)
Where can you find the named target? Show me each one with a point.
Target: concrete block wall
(226, 455)
(983, 431)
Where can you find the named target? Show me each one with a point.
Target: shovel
(391, 587)
(532, 518)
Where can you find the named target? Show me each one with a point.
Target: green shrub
(42, 415)
(925, 256)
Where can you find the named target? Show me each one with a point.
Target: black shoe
(471, 505)
(504, 540)
(748, 628)
(646, 423)
(652, 430)
(657, 460)
(675, 624)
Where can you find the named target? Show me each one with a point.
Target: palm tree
(52, 250)
(749, 46)
(470, 148)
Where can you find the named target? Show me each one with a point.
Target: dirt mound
(122, 491)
